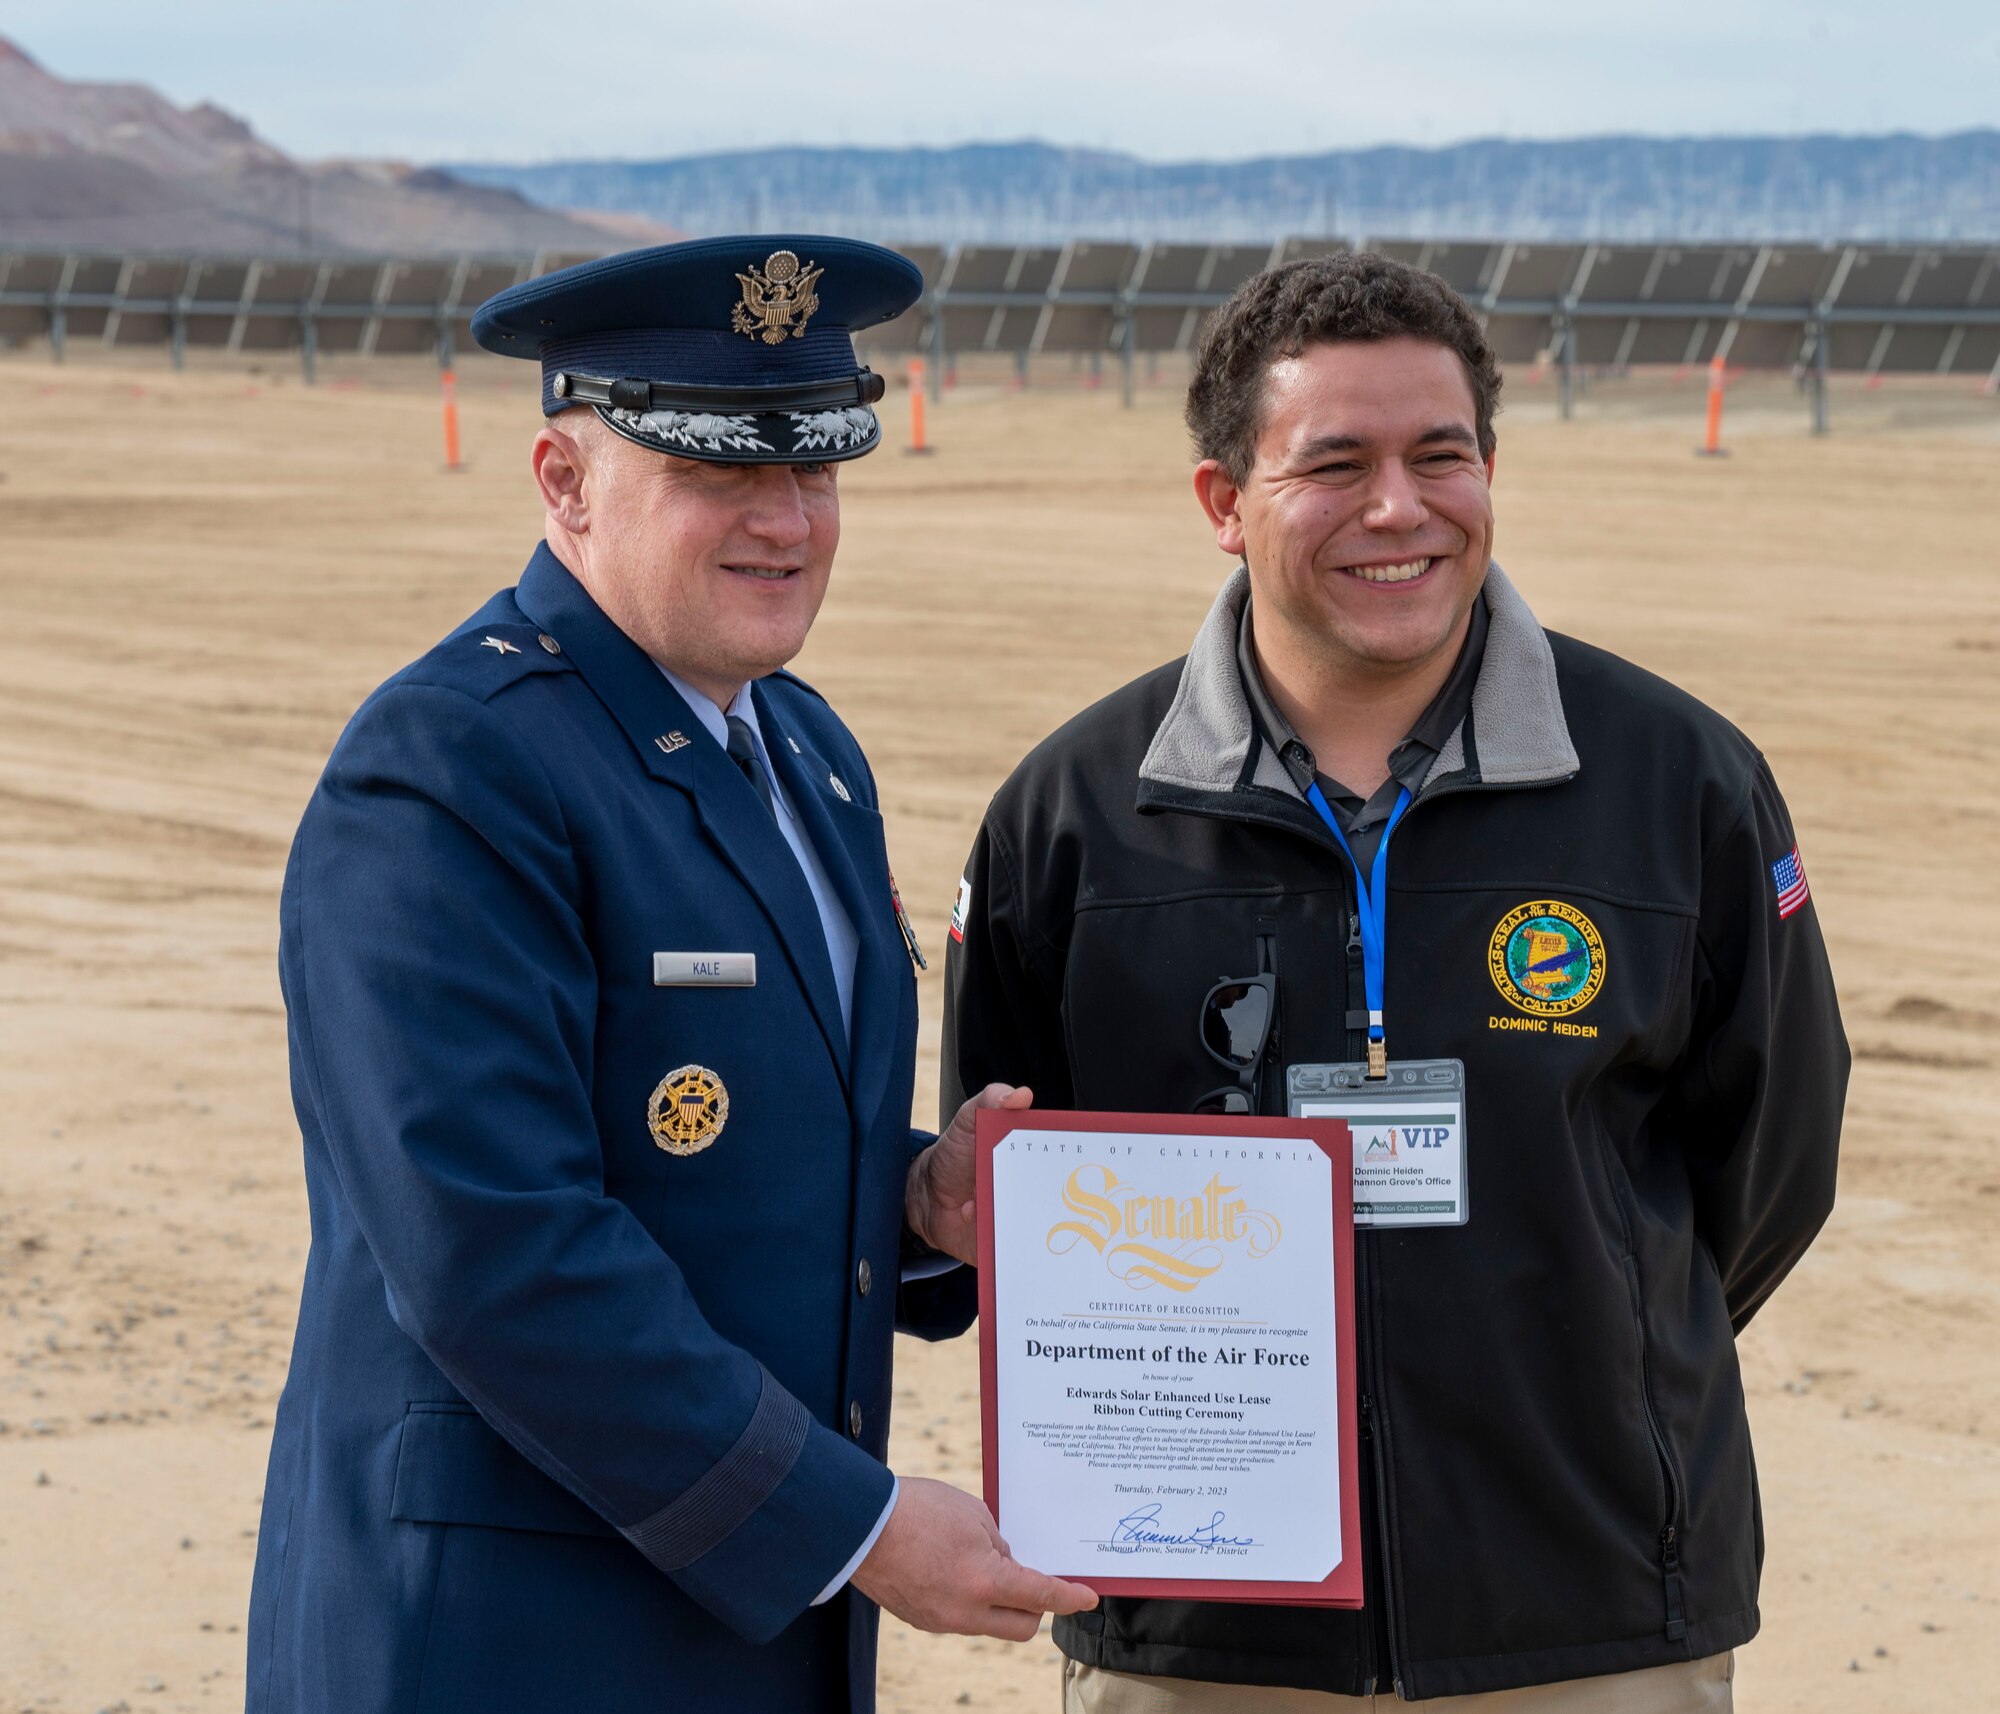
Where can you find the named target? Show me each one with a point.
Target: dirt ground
(204, 574)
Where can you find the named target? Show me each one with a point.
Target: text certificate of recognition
(1167, 1353)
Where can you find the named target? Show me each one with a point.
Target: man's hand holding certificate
(939, 1203)
(939, 1563)
(1166, 1334)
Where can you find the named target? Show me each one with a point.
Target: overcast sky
(525, 80)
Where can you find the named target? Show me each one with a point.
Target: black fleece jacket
(1557, 1474)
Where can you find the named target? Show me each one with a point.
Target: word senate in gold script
(1146, 1240)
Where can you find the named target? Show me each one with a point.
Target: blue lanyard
(1373, 898)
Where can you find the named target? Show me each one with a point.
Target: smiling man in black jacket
(1596, 903)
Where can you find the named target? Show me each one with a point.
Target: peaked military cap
(735, 350)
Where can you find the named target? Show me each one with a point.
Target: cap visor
(750, 437)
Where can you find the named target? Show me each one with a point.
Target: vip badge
(688, 1110)
(778, 299)
(1546, 958)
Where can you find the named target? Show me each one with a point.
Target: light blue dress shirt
(842, 947)
(842, 944)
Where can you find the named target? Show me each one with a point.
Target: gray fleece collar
(1205, 739)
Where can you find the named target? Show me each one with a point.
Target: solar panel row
(367, 306)
(1873, 309)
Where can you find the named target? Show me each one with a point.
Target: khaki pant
(1686, 1687)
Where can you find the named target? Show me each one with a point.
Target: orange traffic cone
(917, 441)
(1711, 445)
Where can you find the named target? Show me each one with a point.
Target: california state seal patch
(1546, 958)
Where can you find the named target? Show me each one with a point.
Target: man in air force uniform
(602, 1040)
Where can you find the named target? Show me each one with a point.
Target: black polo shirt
(1410, 761)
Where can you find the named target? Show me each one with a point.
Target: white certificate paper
(1167, 1365)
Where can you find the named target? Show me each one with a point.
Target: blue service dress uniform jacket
(573, 1422)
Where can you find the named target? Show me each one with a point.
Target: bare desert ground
(203, 574)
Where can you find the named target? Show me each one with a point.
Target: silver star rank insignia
(500, 643)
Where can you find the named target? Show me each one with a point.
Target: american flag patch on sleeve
(1788, 874)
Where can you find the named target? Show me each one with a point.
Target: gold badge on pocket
(688, 1110)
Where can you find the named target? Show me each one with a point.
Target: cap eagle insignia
(778, 299)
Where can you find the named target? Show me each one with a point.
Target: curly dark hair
(1323, 299)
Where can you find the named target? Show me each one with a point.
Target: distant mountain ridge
(118, 166)
(1896, 186)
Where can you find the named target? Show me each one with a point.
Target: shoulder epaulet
(791, 677)
(818, 718)
(482, 660)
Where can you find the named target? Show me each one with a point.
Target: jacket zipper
(1670, 1543)
(1271, 1065)
(1364, 1295)
(1669, 1540)
(1379, 1457)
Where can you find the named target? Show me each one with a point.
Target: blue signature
(1141, 1529)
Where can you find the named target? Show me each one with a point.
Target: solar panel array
(363, 306)
(1861, 308)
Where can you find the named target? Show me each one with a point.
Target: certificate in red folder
(1166, 1352)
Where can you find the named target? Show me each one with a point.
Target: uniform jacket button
(549, 643)
(864, 1277)
(854, 1419)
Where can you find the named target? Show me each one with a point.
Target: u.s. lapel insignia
(778, 299)
(688, 1110)
(903, 922)
(840, 788)
(671, 742)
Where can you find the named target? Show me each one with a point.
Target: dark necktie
(743, 752)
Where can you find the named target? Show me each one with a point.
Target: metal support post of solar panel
(1815, 310)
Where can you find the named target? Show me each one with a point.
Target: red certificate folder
(1342, 1587)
